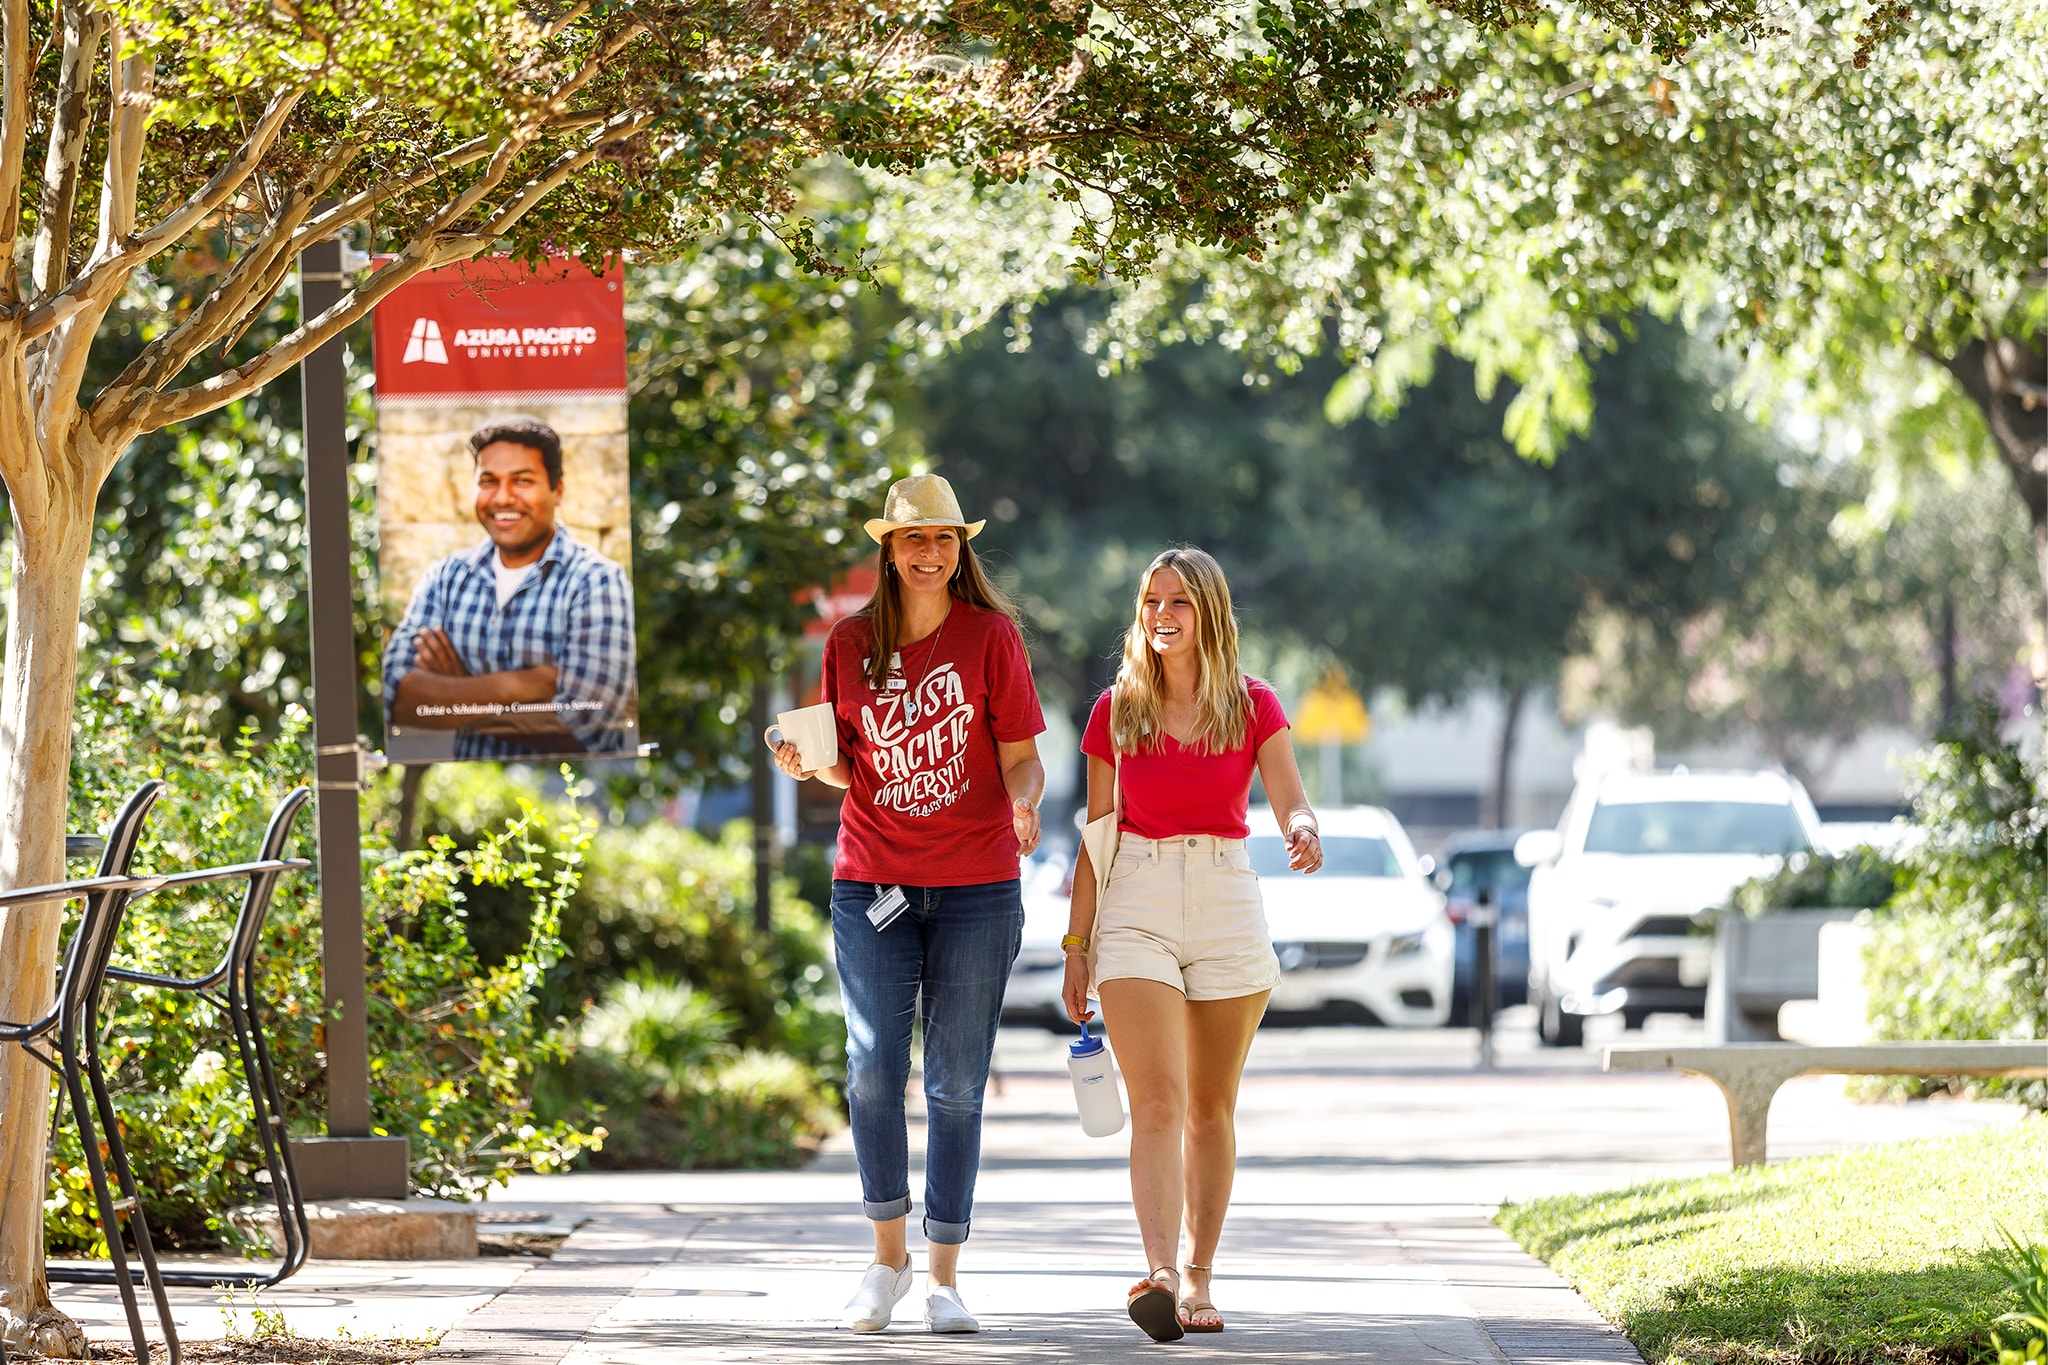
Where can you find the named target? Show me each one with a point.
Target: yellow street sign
(1331, 713)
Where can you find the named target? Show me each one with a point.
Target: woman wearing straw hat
(938, 725)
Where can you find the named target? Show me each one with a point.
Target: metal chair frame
(231, 986)
(74, 1020)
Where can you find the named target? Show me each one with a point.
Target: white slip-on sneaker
(943, 1311)
(874, 1303)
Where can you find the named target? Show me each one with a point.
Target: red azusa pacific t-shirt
(1170, 789)
(928, 806)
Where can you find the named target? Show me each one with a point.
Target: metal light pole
(349, 1161)
(763, 809)
(1485, 990)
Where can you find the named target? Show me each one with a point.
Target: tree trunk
(1496, 813)
(2006, 377)
(1951, 686)
(411, 776)
(35, 761)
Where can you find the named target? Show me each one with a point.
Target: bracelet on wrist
(1074, 943)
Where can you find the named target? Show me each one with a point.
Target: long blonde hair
(1137, 701)
(884, 610)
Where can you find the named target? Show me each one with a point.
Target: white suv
(1366, 938)
(1620, 886)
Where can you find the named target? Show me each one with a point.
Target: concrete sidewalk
(1370, 1165)
(764, 1283)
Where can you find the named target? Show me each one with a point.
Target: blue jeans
(943, 961)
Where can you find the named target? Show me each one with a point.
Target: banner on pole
(504, 522)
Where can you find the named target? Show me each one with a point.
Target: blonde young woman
(1178, 950)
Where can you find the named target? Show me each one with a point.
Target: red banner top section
(496, 328)
(847, 594)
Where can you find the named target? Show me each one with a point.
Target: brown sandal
(1189, 1307)
(1155, 1309)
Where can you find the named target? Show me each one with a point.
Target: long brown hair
(884, 611)
(1137, 700)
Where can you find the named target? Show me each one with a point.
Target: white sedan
(1033, 993)
(1365, 936)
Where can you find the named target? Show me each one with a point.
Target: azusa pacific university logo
(425, 343)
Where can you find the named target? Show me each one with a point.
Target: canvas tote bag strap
(1106, 832)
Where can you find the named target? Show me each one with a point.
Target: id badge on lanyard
(889, 902)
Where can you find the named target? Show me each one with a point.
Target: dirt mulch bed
(276, 1350)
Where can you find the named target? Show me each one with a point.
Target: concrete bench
(1749, 1074)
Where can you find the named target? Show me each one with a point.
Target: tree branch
(85, 28)
(360, 204)
(128, 411)
(132, 81)
(562, 24)
(539, 187)
(2026, 390)
(331, 220)
(108, 271)
(21, 457)
(502, 154)
(230, 324)
(17, 102)
(593, 66)
(73, 325)
(246, 287)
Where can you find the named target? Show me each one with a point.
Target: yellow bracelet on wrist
(1074, 943)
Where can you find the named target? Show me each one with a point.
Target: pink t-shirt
(1171, 790)
(928, 806)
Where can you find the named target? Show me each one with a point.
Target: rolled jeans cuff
(888, 1210)
(945, 1234)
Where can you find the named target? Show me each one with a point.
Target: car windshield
(1694, 827)
(1495, 868)
(1344, 855)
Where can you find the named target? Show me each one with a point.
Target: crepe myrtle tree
(210, 141)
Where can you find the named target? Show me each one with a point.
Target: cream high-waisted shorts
(1186, 912)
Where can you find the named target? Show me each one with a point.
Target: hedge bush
(678, 1091)
(1962, 952)
(737, 1044)
(1862, 878)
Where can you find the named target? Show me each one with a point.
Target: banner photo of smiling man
(504, 542)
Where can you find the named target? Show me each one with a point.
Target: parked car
(1032, 995)
(1478, 861)
(1365, 937)
(1634, 868)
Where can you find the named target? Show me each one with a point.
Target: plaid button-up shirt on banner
(575, 611)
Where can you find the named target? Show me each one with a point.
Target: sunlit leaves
(1819, 207)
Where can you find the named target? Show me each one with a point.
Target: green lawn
(1879, 1255)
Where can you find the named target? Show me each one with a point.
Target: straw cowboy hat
(921, 500)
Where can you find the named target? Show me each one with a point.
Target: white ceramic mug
(813, 729)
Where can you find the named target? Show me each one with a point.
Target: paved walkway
(1370, 1165)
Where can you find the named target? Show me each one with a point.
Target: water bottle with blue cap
(1095, 1089)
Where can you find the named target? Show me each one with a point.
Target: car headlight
(1402, 945)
